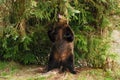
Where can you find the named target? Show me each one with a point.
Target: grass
(3, 65)
(15, 71)
(7, 69)
(38, 78)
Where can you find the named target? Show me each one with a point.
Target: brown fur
(62, 50)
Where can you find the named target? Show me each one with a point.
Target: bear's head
(62, 21)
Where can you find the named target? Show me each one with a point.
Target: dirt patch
(36, 73)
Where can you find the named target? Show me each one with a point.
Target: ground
(15, 71)
(115, 45)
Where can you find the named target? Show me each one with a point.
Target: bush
(31, 48)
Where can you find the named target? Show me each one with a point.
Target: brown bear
(61, 55)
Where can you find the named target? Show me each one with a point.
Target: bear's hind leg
(71, 69)
(64, 67)
(52, 63)
(70, 64)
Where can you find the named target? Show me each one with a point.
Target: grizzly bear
(61, 55)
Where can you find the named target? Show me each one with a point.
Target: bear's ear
(60, 16)
(62, 19)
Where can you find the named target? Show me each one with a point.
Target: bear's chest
(62, 50)
(59, 35)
